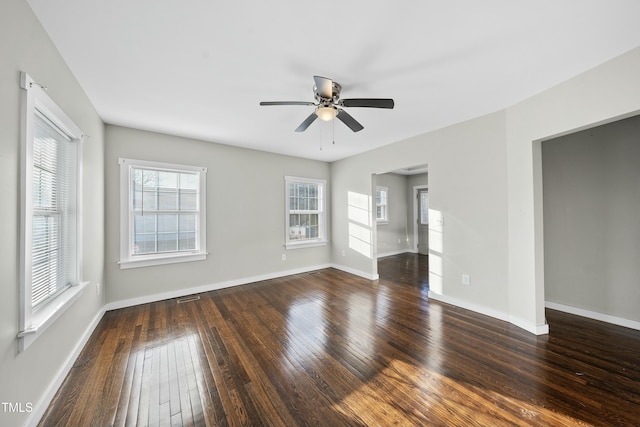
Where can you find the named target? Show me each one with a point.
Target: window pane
(187, 222)
(188, 201)
(424, 207)
(167, 201)
(167, 223)
(167, 242)
(144, 223)
(187, 241)
(189, 181)
(144, 243)
(149, 200)
(149, 180)
(168, 180)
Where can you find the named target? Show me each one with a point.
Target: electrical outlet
(466, 280)
(343, 253)
(98, 288)
(284, 257)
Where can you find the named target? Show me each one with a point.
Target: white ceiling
(199, 68)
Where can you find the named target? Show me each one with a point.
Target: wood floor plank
(329, 348)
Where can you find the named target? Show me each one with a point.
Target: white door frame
(416, 215)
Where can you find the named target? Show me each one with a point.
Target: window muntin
(382, 210)
(305, 201)
(163, 213)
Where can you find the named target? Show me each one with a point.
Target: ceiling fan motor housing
(335, 94)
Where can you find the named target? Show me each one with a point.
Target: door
(423, 222)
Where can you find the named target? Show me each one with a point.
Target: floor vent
(188, 299)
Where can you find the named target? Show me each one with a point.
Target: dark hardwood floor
(331, 349)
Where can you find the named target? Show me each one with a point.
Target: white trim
(321, 211)
(529, 327)
(306, 244)
(115, 305)
(363, 274)
(385, 219)
(210, 287)
(632, 324)
(396, 252)
(34, 101)
(48, 314)
(41, 406)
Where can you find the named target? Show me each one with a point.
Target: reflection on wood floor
(332, 349)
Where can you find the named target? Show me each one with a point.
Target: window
(51, 215)
(163, 213)
(305, 212)
(382, 210)
(424, 207)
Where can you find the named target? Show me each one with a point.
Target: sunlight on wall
(436, 250)
(360, 219)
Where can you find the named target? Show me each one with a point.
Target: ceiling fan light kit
(329, 105)
(326, 113)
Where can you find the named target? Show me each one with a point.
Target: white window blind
(53, 223)
(50, 212)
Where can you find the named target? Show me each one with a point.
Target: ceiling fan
(329, 105)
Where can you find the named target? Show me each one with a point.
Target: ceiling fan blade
(304, 125)
(324, 87)
(368, 102)
(349, 121)
(286, 103)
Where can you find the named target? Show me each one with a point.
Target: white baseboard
(363, 274)
(43, 404)
(40, 408)
(632, 324)
(114, 305)
(392, 253)
(527, 326)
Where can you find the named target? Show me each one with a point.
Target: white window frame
(34, 321)
(385, 218)
(321, 211)
(127, 257)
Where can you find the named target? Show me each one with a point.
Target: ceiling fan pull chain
(333, 124)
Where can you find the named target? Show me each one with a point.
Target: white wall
(591, 188)
(245, 216)
(29, 377)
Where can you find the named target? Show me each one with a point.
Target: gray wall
(392, 237)
(591, 219)
(485, 178)
(398, 235)
(413, 181)
(245, 216)
(29, 376)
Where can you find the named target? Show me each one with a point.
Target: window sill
(161, 260)
(308, 244)
(48, 314)
(382, 222)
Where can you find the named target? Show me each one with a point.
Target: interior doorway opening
(400, 237)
